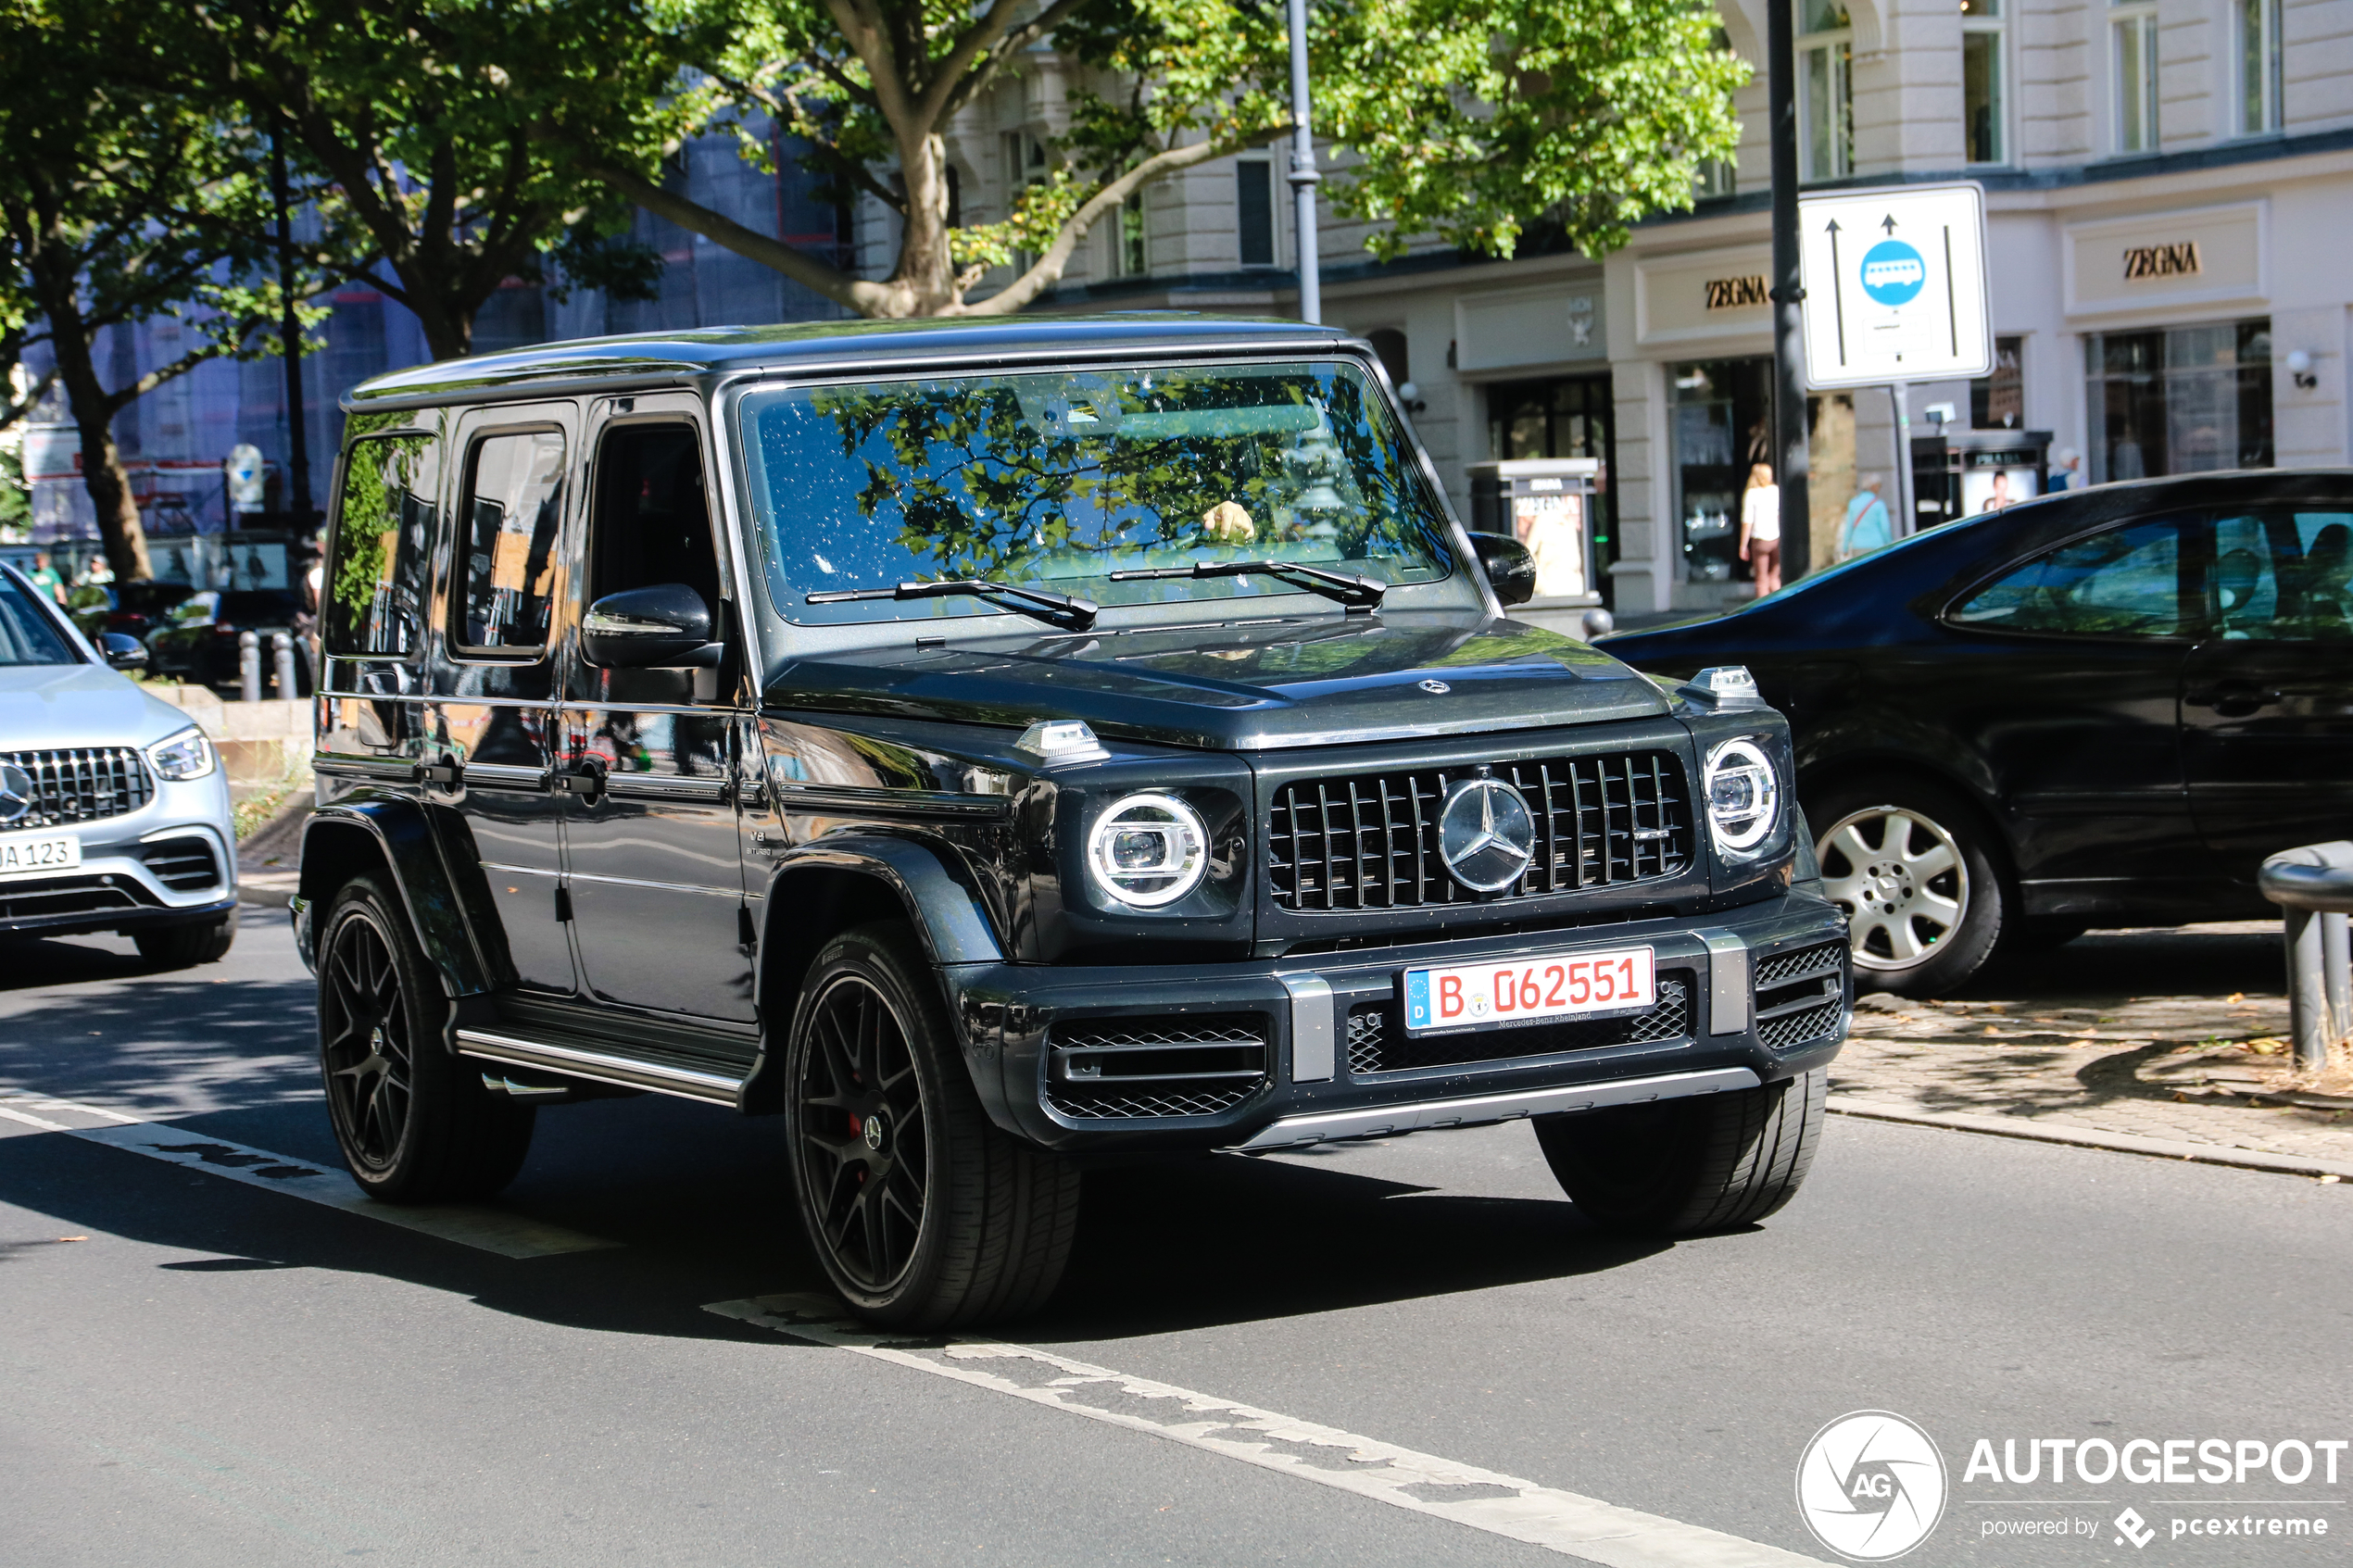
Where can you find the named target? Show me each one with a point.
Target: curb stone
(2083, 1137)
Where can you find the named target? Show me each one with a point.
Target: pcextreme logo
(1870, 1486)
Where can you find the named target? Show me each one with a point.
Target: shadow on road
(2114, 965)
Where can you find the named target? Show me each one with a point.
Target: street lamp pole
(1304, 178)
(1791, 458)
(290, 337)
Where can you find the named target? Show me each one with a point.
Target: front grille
(1377, 1043)
(1370, 841)
(67, 896)
(1800, 995)
(1130, 1068)
(81, 785)
(184, 865)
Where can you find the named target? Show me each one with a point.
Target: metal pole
(249, 667)
(2307, 988)
(1304, 178)
(1899, 394)
(282, 665)
(1792, 457)
(2336, 958)
(290, 337)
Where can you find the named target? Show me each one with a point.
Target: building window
(2258, 66)
(1985, 100)
(1717, 178)
(1998, 401)
(2133, 27)
(1254, 211)
(1723, 427)
(1395, 356)
(1572, 417)
(1024, 167)
(2183, 400)
(1826, 81)
(1130, 253)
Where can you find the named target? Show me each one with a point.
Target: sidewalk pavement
(2063, 1056)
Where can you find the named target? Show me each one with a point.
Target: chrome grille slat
(81, 784)
(1369, 841)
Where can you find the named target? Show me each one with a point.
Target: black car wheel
(1912, 866)
(1682, 1167)
(185, 945)
(415, 1124)
(924, 1215)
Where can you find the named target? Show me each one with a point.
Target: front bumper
(138, 869)
(1328, 1071)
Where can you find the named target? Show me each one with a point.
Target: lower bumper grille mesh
(184, 865)
(57, 897)
(1128, 1069)
(1800, 995)
(1377, 1043)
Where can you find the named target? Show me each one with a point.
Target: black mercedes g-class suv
(992, 746)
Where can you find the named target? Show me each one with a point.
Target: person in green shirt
(45, 577)
(1867, 526)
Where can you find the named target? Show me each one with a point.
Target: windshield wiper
(1356, 593)
(1056, 609)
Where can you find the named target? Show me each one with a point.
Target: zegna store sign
(1707, 293)
(2204, 256)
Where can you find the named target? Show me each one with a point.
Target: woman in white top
(1761, 528)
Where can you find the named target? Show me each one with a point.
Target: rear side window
(27, 636)
(2124, 583)
(383, 531)
(512, 515)
(2282, 575)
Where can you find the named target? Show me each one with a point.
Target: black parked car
(2104, 707)
(990, 745)
(199, 639)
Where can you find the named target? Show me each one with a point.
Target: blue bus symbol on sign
(1893, 272)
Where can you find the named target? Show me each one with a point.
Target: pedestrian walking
(1867, 525)
(1761, 528)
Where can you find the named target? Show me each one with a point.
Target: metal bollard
(2313, 886)
(249, 666)
(282, 657)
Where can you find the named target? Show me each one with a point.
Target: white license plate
(1529, 990)
(38, 854)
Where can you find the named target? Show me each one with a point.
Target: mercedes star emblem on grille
(1437, 687)
(16, 792)
(1486, 835)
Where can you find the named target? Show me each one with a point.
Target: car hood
(45, 707)
(1240, 688)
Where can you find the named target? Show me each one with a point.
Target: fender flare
(926, 884)
(412, 853)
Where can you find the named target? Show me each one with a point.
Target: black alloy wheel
(415, 1122)
(925, 1214)
(865, 1153)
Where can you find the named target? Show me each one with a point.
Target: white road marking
(492, 1230)
(1502, 1505)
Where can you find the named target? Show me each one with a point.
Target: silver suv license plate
(38, 854)
(1531, 990)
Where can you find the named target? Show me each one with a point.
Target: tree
(1465, 117)
(115, 204)
(419, 120)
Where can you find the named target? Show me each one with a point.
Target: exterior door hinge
(563, 904)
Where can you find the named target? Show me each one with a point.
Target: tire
(1915, 869)
(1684, 1167)
(413, 1120)
(184, 946)
(923, 1213)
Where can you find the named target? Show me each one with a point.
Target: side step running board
(686, 1083)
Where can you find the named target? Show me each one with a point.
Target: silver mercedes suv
(114, 807)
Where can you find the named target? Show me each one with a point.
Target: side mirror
(121, 652)
(1511, 570)
(664, 627)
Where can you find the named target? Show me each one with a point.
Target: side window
(383, 530)
(2125, 582)
(2282, 576)
(510, 515)
(651, 523)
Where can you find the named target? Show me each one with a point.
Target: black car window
(510, 514)
(652, 523)
(2124, 583)
(27, 636)
(383, 531)
(2282, 574)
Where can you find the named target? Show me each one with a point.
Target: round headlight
(1148, 850)
(183, 756)
(1744, 796)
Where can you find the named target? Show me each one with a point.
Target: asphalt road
(207, 1372)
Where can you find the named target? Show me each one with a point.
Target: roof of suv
(652, 357)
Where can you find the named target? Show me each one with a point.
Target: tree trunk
(926, 277)
(94, 413)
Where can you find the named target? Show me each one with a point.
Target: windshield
(26, 635)
(1056, 480)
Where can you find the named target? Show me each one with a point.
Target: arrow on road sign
(1887, 223)
(1837, 296)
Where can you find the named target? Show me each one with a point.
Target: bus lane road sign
(1895, 285)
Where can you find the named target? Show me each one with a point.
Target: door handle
(447, 773)
(583, 781)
